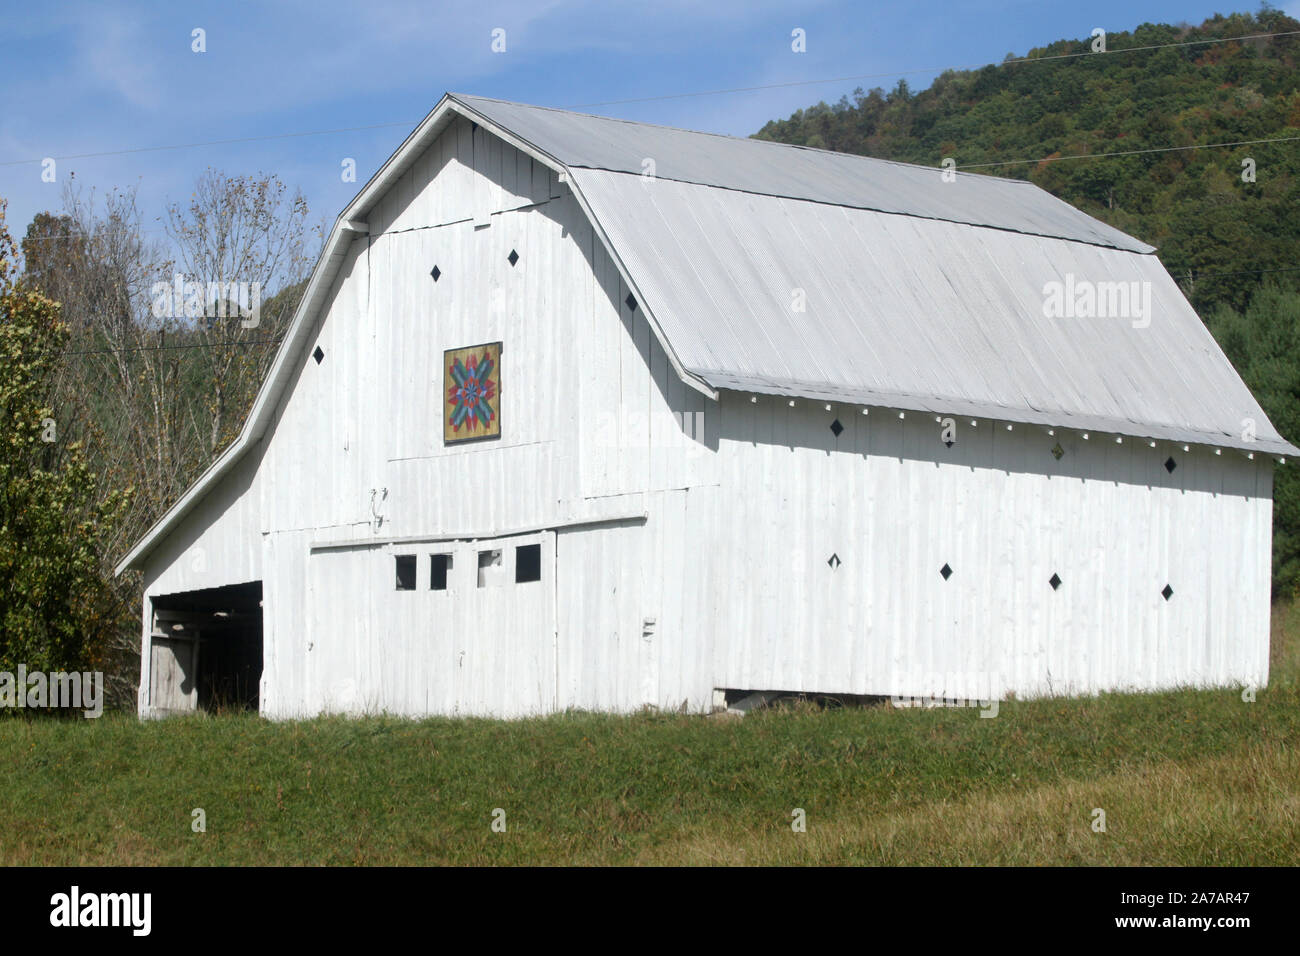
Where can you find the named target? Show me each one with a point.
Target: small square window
(528, 563)
(439, 566)
(489, 562)
(406, 572)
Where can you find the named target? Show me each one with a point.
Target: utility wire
(673, 96)
(974, 66)
(1128, 152)
(1219, 275)
(167, 348)
(746, 89)
(1008, 162)
(210, 142)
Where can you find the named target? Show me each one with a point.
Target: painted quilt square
(472, 386)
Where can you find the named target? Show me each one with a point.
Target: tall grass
(1187, 777)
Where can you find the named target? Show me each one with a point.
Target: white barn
(761, 418)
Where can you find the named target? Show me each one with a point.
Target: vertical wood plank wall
(726, 581)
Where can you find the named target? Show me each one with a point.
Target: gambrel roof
(785, 270)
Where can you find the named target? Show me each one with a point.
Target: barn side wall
(842, 541)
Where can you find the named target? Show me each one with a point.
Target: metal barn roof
(916, 314)
(920, 294)
(581, 141)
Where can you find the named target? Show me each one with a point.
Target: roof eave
(937, 405)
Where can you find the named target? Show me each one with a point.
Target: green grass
(1189, 777)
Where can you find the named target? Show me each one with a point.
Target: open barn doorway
(206, 650)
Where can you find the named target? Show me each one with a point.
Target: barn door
(173, 671)
(504, 626)
(340, 673)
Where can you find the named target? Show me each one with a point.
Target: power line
(673, 96)
(168, 348)
(1127, 152)
(974, 66)
(211, 142)
(1018, 162)
(1219, 275)
(1008, 162)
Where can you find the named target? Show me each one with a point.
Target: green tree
(55, 611)
(1263, 343)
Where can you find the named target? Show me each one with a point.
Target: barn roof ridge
(580, 141)
(466, 98)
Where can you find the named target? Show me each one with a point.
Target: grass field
(1185, 778)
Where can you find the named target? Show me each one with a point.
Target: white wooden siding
(895, 505)
(724, 582)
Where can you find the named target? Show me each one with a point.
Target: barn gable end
(352, 469)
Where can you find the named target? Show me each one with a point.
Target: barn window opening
(1168, 592)
(439, 565)
(946, 571)
(435, 272)
(1170, 464)
(318, 355)
(487, 561)
(405, 572)
(1055, 581)
(836, 428)
(631, 302)
(1057, 451)
(513, 257)
(528, 563)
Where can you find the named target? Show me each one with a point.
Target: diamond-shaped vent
(836, 428)
(946, 571)
(513, 257)
(1168, 592)
(1057, 451)
(318, 355)
(1170, 464)
(834, 561)
(435, 272)
(1055, 581)
(631, 301)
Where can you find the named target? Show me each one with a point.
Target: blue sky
(104, 76)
